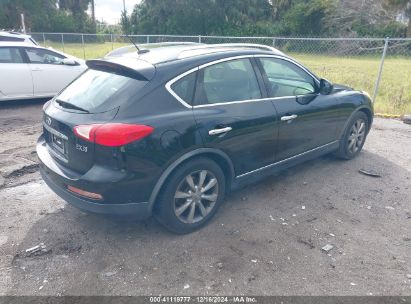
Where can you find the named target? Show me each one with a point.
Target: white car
(31, 71)
(16, 37)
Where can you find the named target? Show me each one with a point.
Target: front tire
(354, 136)
(191, 196)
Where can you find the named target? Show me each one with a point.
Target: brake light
(112, 134)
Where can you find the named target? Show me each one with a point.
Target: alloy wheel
(357, 135)
(196, 196)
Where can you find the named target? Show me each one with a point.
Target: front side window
(10, 55)
(286, 79)
(228, 81)
(41, 56)
(184, 87)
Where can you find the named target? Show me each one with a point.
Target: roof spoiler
(128, 67)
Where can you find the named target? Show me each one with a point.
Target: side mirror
(326, 87)
(69, 61)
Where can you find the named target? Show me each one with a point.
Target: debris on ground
(303, 207)
(371, 173)
(407, 118)
(332, 263)
(219, 265)
(327, 248)
(389, 208)
(309, 243)
(409, 276)
(353, 284)
(37, 250)
(110, 274)
(186, 286)
(271, 218)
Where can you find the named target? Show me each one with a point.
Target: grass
(360, 72)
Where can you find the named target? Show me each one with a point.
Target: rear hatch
(92, 99)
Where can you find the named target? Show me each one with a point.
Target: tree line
(335, 18)
(331, 18)
(47, 15)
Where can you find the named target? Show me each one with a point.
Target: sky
(110, 10)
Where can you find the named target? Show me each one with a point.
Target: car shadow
(94, 255)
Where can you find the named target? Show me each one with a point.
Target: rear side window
(184, 87)
(228, 81)
(10, 55)
(98, 91)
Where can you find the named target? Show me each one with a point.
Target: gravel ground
(265, 240)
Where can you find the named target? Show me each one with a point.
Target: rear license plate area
(59, 143)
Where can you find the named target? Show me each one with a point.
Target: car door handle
(290, 117)
(219, 131)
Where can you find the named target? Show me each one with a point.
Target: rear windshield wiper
(68, 105)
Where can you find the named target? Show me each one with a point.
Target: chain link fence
(379, 66)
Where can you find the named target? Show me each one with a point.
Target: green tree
(201, 16)
(125, 23)
(37, 13)
(308, 18)
(78, 8)
(405, 7)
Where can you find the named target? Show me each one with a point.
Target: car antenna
(139, 51)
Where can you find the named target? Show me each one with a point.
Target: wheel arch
(364, 109)
(367, 111)
(218, 156)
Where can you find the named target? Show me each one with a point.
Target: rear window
(98, 91)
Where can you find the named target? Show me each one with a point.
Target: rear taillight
(112, 134)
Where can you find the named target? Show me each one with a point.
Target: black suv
(170, 130)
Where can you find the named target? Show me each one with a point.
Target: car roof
(19, 44)
(14, 34)
(180, 53)
(191, 54)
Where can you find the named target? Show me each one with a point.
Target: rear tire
(191, 196)
(354, 136)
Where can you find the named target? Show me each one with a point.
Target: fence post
(62, 41)
(377, 83)
(273, 42)
(44, 39)
(148, 39)
(199, 38)
(84, 49)
(112, 43)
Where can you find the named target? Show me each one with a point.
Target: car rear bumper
(58, 183)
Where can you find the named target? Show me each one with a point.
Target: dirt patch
(23, 171)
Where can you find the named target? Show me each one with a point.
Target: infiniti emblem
(48, 120)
